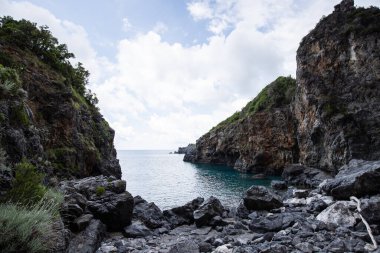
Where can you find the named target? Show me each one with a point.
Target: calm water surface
(166, 180)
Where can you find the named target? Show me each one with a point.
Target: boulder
(183, 214)
(148, 213)
(57, 238)
(300, 193)
(358, 178)
(90, 186)
(341, 213)
(275, 222)
(371, 209)
(261, 198)
(188, 246)
(114, 210)
(104, 197)
(81, 222)
(303, 176)
(279, 185)
(89, 239)
(136, 229)
(204, 214)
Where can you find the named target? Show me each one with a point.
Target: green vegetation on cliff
(39, 42)
(278, 93)
(46, 107)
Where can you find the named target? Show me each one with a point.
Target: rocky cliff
(337, 103)
(332, 117)
(47, 115)
(259, 137)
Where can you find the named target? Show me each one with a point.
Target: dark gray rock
(205, 247)
(261, 198)
(275, 222)
(211, 208)
(81, 222)
(303, 176)
(359, 178)
(89, 239)
(242, 211)
(183, 214)
(371, 210)
(136, 229)
(57, 239)
(188, 246)
(279, 185)
(114, 210)
(104, 197)
(297, 193)
(148, 213)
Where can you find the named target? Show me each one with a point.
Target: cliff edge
(47, 115)
(333, 115)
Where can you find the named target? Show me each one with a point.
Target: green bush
(9, 81)
(25, 228)
(100, 190)
(19, 115)
(26, 188)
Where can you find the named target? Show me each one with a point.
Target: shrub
(100, 190)
(20, 116)
(9, 81)
(27, 188)
(24, 228)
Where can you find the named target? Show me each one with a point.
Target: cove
(167, 181)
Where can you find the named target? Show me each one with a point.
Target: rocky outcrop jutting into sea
(260, 138)
(332, 117)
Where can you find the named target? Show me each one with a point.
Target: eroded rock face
(259, 139)
(337, 102)
(52, 125)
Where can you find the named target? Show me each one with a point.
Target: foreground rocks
(289, 220)
(92, 206)
(261, 198)
(358, 178)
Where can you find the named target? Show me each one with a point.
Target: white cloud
(126, 25)
(162, 95)
(200, 10)
(160, 28)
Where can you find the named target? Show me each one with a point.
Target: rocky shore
(282, 218)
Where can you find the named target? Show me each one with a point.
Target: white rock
(339, 214)
(223, 249)
(295, 201)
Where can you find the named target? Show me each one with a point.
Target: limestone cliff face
(260, 138)
(44, 118)
(337, 103)
(334, 115)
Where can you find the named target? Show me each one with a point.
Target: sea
(168, 181)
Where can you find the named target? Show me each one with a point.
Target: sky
(167, 71)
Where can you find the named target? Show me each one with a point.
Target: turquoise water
(166, 180)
